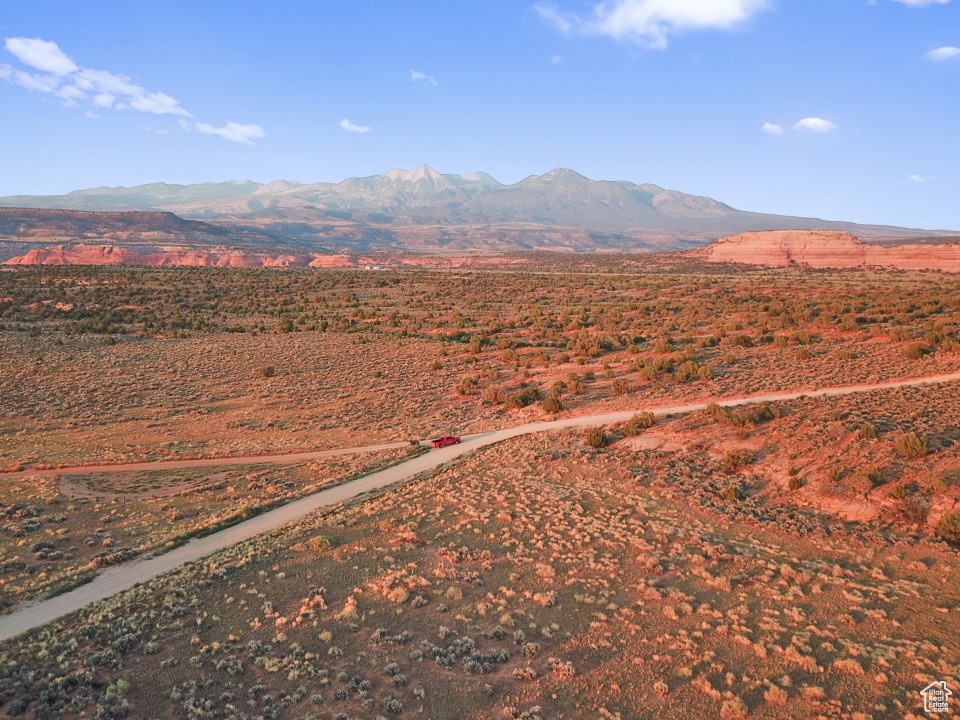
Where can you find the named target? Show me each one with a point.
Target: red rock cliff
(826, 249)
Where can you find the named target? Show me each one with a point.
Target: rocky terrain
(826, 249)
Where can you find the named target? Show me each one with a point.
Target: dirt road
(123, 577)
(288, 459)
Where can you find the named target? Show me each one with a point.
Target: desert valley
(630, 391)
(725, 477)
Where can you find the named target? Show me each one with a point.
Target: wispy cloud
(551, 15)
(917, 179)
(771, 129)
(350, 127)
(419, 77)
(233, 131)
(942, 54)
(652, 22)
(921, 3)
(70, 84)
(815, 125)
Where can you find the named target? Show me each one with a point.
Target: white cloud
(350, 127)
(921, 3)
(550, 14)
(651, 22)
(556, 59)
(944, 53)
(233, 131)
(40, 55)
(104, 100)
(184, 125)
(917, 179)
(418, 76)
(771, 129)
(815, 124)
(63, 80)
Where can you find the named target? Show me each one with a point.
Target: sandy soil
(123, 577)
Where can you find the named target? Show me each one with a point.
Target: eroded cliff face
(113, 255)
(82, 254)
(826, 249)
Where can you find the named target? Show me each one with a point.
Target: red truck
(445, 440)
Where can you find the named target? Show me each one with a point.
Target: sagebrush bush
(949, 527)
(911, 446)
(596, 437)
(639, 422)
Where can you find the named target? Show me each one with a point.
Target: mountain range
(423, 210)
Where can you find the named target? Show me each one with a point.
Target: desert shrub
(705, 372)
(493, 394)
(764, 412)
(795, 482)
(934, 483)
(687, 371)
(466, 386)
(911, 446)
(804, 354)
(719, 413)
(553, 403)
(917, 351)
(436, 365)
(731, 493)
(267, 371)
(867, 431)
(949, 527)
(663, 346)
(596, 437)
(525, 397)
(619, 387)
(899, 334)
(639, 422)
(736, 459)
(744, 341)
(901, 492)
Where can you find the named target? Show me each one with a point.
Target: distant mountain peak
(563, 174)
(424, 172)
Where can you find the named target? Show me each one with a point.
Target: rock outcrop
(113, 255)
(81, 254)
(826, 249)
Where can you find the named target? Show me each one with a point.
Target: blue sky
(866, 95)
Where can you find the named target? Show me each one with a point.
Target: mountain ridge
(423, 210)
